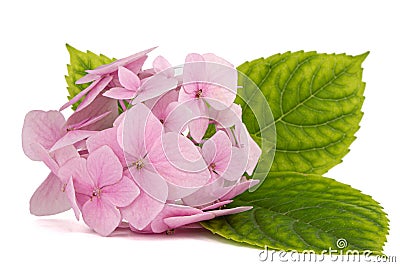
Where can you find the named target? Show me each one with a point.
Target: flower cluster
(155, 149)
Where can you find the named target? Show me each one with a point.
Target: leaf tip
(363, 56)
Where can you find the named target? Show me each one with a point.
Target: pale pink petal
(153, 87)
(207, 194)
(41, 127)
(210, 57)
(94, 92)
(236, 165)
(217, 151)
(62, 155)
(239, 188)
(88, 122)
(180, 163)
(88, 78)
(224, 212)
(104, 167)
(82, 93)
(158, 105)
(185, 96)
(122, 193)
(113, 66)
(106, 137)
(119, 119)
(178, 115)
(219, 97)
(48, 198)
(71, 138)
(119, 93)
(142, 211)
(171, 210)
(254, 155)
(194, 71)
(150, 182)
(228, 117)
(101, 216)
(217, 205)
(97, 116)
(199, 125)
(76, 168)
(128, 79)
(179, 221)
(43, 155)
(70, 192)
(160, 64)
(136, 66)
(139, 130)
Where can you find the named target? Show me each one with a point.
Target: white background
(33, 58)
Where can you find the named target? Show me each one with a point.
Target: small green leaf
(79, 63)
(300, 212)
(316, 102)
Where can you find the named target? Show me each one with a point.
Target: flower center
(212, 166)
(199, 93)
(96, 193)
(139, 164)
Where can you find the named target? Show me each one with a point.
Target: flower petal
(171, 210)
(228, 117)
(98, 116)
(113, 66)
(161, 65)
(128, 79)
(104, 167)
(236, 165)
(48, 198)
(65, 154)
(178, 115)
(239, 188)
(218, 151)
(106, 137)
(153, 87)
(70, 138)
(158, 105)
(122, 193)
(179, 221)
(101, 216)
(142, 210)
(94, 92)
(217, 205)
(224, 212)
(138, 131)
(194, 71)
(119, 93)
(76, 168)
(70, 192)
(199, 125)
(41, 127)
(180, 163)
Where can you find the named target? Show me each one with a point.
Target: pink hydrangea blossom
(150, 164)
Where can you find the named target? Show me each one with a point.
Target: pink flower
(143, 167)
(140, 90)
(100, 189)
(172, 114)
(207, 79)
(175, 164)
(51, 131)
(102, 76)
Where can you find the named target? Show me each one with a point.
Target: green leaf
(79, 63)
(300, 212)
(316, 102)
